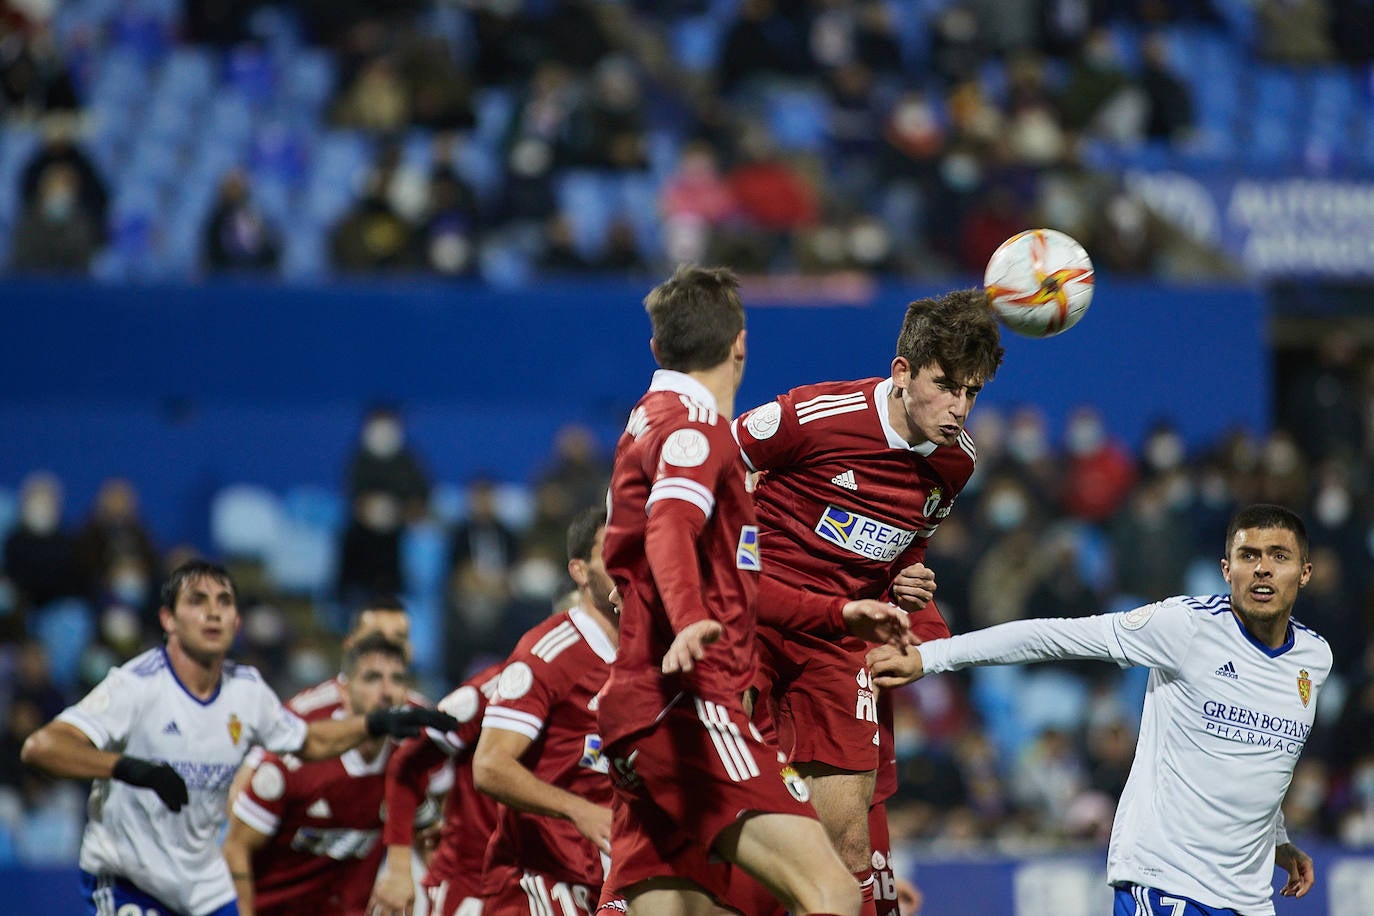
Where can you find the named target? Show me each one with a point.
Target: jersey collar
(173, 672)
(593, 634)
(682, 383)
(355, 764)
(1271, 652)
(880, 396)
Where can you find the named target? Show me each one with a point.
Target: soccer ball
(1040, 282)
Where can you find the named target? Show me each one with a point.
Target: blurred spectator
(482, 539)
(384, 464)
(33, 77)
(1171, 104)
(561, 254)
(957, 45)
(370, 555)
(606, 130)
(572, 34)
(1100, 471)
(1322, 402)
(219, 22)
(775, 199)
(439, 92)
(40, 558)
(528, 197)
(1101, 97)
(1049, 777)
(766, 39)
(622, 255)
(1152, 544)
(59, 148)
(114, 548)
(449, 234)
(1294, 31)
(372, 236)
(33, 681)
(578, 467)
(1352, 29)
(55, 234)
(237, 236)
(844, 34)
(376, 100)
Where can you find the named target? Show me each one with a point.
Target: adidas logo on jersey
(1228, 670)
(171, 728)
(320, 808)
(846, 480)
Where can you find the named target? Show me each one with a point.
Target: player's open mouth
(949, 429)
(1262, 592)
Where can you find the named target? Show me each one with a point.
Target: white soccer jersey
(1225, 719)
(142, 709)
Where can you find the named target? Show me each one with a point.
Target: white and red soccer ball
(1040, 282)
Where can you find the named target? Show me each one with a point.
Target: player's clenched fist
(891, 667)
(914, 587)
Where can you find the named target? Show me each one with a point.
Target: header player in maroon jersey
(304, 838)
(694, 780)
(540, 754)
(856, 477)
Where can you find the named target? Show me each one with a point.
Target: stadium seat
(797, 118)
(303, 560)
(515, 505)
(305, 255)
(249, 70)
(587, 199)
(424, 559)
(65, 628)
(245, 521)
(494, 108)
(448, 503)
(309, 79)
(696, 42)
(188, 75)
(316, 507)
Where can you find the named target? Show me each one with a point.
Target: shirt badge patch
(763, 422)
(592, 758)
(686, 448)
(1304, 687)
(515, 682)
(747, 552)
(235, 729)
(269, 783)
(1136, 618)
(461, 704)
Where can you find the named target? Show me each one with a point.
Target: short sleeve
(107, 714)
(261, 803)
(526, 691)
(1155, 635)
(769, 435)
(276, 728)
(466, 704)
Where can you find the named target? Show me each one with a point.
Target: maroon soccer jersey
(325, 822)
(846, 503)
(677, 457)
(469, 816)
(325, 699)
(547, 692)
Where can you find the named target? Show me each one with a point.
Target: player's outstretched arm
(497, 771)
(326, 738)
(1302, 874)
(240, 842)
(394, 892)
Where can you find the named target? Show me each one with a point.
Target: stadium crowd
(514, 140)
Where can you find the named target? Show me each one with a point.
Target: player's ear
(737, 349)
(1226, 570)
(577, 569)
(653, 348)
(165, 616)
(901, 372)
(1306, 574)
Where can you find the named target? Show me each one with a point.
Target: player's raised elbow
(38, 749)
(486, 772)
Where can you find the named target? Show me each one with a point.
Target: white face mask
(1332, 506)
(1085, 436)
(380, 512)
(1006, 510)
(383, 438)
(41, 515)
(1164, 452)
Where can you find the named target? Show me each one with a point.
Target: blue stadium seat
(278, 30)
(1333, 105)
(798, 119)
(305, 254)
(121, 76)
(505, 266)
(696, 42)
(309, 78)
(515, 505)
(424, 559)
(245, 521)
(9, 514)
(303, 559)
(231, 117)
(448, 503)
(188, 75)
(65, 628)
(480, 166)
(316, 507)
(250, 71)
(494, 108)
(587, 200)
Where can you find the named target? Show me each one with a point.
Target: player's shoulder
(144, 667)
(1309, 640)
(237, 671)
(273, 775)
(829, 400)
(961, 456)
(544, 644)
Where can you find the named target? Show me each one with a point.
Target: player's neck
(199, 675)
(1272, 631)
(370, 748)
(899, 421)
(721, 382)
(607, 622)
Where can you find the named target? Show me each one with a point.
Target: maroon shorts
(531, 893)
(448, 899)
(681, 783)
(823, 705)
(884, 878)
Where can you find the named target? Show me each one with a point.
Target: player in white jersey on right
(1230, 703)
(178, 720)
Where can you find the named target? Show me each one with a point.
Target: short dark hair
(368, 645)
(696, 315)
(375, 603)
(1267, 515)
(194, 569)
(582, 532)
(957, 331)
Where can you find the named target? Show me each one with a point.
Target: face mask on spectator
(1006, 510)
(129, 588)
(383, 438)
(1332, 506)
(380, 512)
(58, 205)
(40, 514)
(1084, 436)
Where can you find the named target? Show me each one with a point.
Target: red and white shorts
(531, 893)
(684, 781)
(823, 705)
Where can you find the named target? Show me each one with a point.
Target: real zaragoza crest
(236, 727)
(1304, 687)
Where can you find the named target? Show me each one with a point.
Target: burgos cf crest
(236, 727)
(932, 501)
(1304, 687)
(795, 784)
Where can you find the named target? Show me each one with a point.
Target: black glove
(159, 777)
(408, 721)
